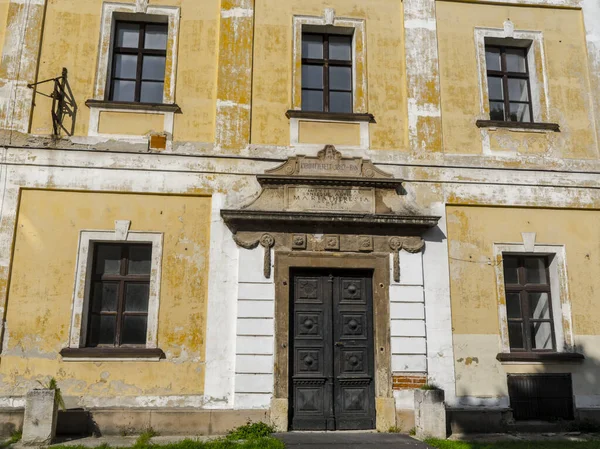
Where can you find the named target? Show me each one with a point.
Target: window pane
(511, 270)
(312, 100)
(517, 90)
(153, 68)
(105, 297)
(136, 297)
(312, 46)
(539, 306)
(139, 259)
(515, 60)
(492, 58)
(152, 92)
(102, 330)
(541, 336)
(496, 91)
(496, 110)
(340, 78)
(125, 66)
(134, 330)
(519, 112)
(312, 76)
(340, 102)
(108, 259)
(535, 268)
(156, 37)
(513, 305)
(340, 48)
(128, 35)
(123, 90)
(515, 335)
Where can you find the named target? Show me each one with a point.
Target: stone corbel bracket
(267, 241)
(409, 244)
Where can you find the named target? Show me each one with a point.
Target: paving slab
(349, 440)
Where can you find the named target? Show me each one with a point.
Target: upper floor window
(528, 303)
(508, 83)
(138, 65)
(119, 294)
(327, 72)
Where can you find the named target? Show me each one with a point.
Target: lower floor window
(119, 294)
(528, 303)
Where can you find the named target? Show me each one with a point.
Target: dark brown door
(332, 366)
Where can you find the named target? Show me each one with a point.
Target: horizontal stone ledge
(383, 183)
(518, 125)
(566, 357)
(331, 116)
(133, 106)
(112, 353)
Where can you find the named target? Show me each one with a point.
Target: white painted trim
(81, 292)
(365, 139)
(559, 292)
(540, 99)
(360, 102)
(222, 311)
(173, 14)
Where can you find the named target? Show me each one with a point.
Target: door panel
(331, 351)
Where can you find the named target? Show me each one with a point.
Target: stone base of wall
(405, 420)
(135, 421)
(11, 420)
(478, 420)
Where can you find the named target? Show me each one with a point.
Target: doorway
(332, 382)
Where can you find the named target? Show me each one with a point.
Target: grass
(14, 438)
(445, 444)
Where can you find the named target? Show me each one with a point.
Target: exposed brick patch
(408, 381)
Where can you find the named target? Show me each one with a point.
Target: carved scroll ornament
(409, 244)
(267, 241)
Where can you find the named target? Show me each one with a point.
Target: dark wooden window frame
(122, 278)
(326, 63)
(140, 51)
(523, 290)
(505, 75)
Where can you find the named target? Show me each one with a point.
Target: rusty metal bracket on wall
(63, 103)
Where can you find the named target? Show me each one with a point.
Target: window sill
(112, 354)
(518, 125)
(133, 106)
(541, 357)
(331, 116)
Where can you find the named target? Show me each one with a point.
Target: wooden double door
(332, 355)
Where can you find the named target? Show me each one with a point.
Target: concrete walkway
(348, 440)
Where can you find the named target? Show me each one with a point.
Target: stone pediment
(316, 193)
(329, 163)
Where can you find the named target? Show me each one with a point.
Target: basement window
(547, 397)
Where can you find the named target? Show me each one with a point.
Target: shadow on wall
(585, 377)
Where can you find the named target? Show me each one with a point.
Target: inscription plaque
(336, 199)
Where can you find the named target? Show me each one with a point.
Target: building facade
(299, 212)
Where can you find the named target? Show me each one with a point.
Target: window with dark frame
(138, 62)
(528, 303)
(119, 294)
(509, 85)
(327, 73)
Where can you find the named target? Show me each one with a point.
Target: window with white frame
(117, 291)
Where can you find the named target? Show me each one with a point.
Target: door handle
(339, 344)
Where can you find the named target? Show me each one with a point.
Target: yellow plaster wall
(41, 291)
(472, 232)
(567, 73)
(3, 22)
(273, 67)
(71, 39)
(329, 133)
(137, 124)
